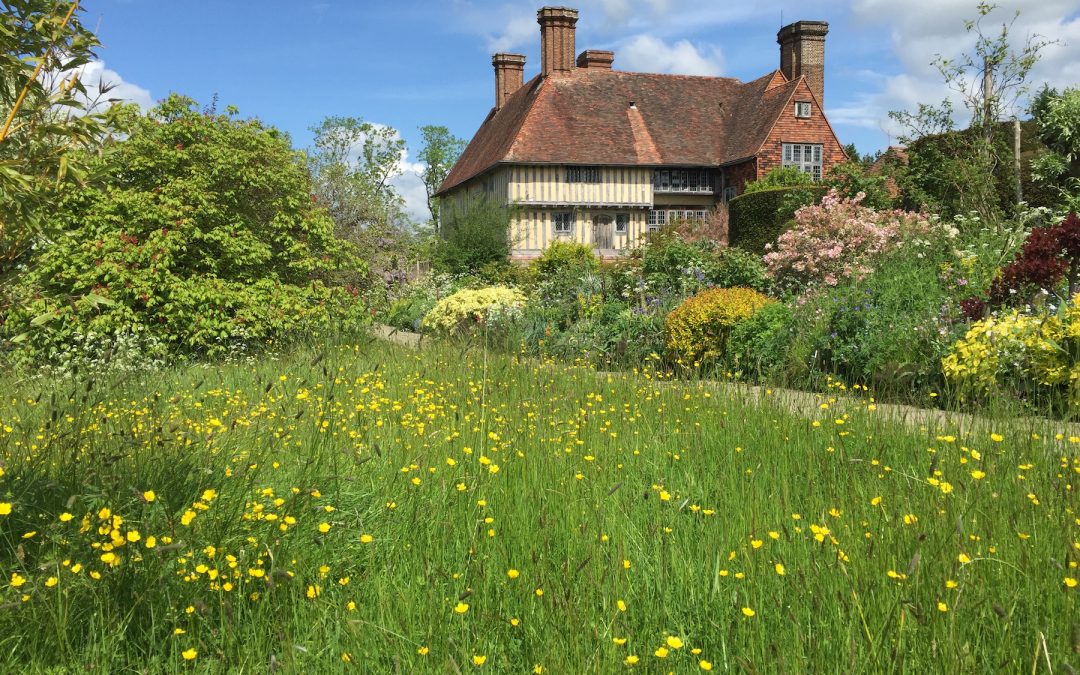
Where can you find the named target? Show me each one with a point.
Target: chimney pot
(802, 54)
(557, 26)
(509, 76)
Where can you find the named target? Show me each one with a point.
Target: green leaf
(42, 319)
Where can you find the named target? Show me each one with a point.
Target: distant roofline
(536, 83)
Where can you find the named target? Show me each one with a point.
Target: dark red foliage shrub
(1047, 256)
(973, 308)
(1069, 235)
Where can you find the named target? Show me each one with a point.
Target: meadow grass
(368, 508)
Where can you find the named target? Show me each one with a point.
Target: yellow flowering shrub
(1018, 348)
(698, 328)
(462, 310)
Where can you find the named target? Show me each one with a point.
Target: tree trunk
(1016, 163)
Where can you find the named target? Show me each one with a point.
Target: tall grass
(633, 510)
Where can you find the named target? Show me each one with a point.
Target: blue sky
(407, 63)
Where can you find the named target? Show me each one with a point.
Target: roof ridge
(681, 76)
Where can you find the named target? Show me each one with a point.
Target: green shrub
(613, 336)
(670, 264)
(408, 312)
(1017, 353)
(205, 238)
(779, 177)
(465, 309)
(737, 267)
(475, 237)
(942, 176)
(698, 328)
(759, 344)
(889, 330)
(565, 258)
(758, 218)
(849, 179)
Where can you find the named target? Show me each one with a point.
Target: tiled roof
(585, 117)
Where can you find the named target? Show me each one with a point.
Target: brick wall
(790, 129)
(740, 174)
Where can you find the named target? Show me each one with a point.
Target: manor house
(600, 156)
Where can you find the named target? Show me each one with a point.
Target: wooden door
(603, 233)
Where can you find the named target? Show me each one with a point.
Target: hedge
(928, 173)
(758, 218)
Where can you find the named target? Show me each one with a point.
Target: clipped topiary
(698, 329)
(460, 312)
(759, 218)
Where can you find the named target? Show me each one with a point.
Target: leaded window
(582, 174)
(681, 180)
(657, 219)
(563, 223)
(805, 157)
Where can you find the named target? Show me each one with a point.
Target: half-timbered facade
(590, 154)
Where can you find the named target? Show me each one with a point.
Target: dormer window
(802, 109)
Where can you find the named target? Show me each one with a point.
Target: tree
(475, 237)
(352, 165)
(1058, 118)
(439, 153)
(989, 81)
(203, 236)
(48, 120)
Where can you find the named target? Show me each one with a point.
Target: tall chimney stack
(556, 39)
(509, 76)
(802, 54)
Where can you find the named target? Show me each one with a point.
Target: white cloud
(410, 186)
(412, 190)
(646, 53)
(920, 30)
(617, 11)
(96, 78)
(517, 31)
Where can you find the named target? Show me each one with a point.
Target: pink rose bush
(838, 240)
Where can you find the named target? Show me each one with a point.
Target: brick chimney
(596, 59)
(556, 39)
(802, 54)
(509, 76)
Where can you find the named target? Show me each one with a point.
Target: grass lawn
(370, 508)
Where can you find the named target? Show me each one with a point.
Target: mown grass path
(808, 404)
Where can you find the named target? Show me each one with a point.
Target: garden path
(809, 404)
